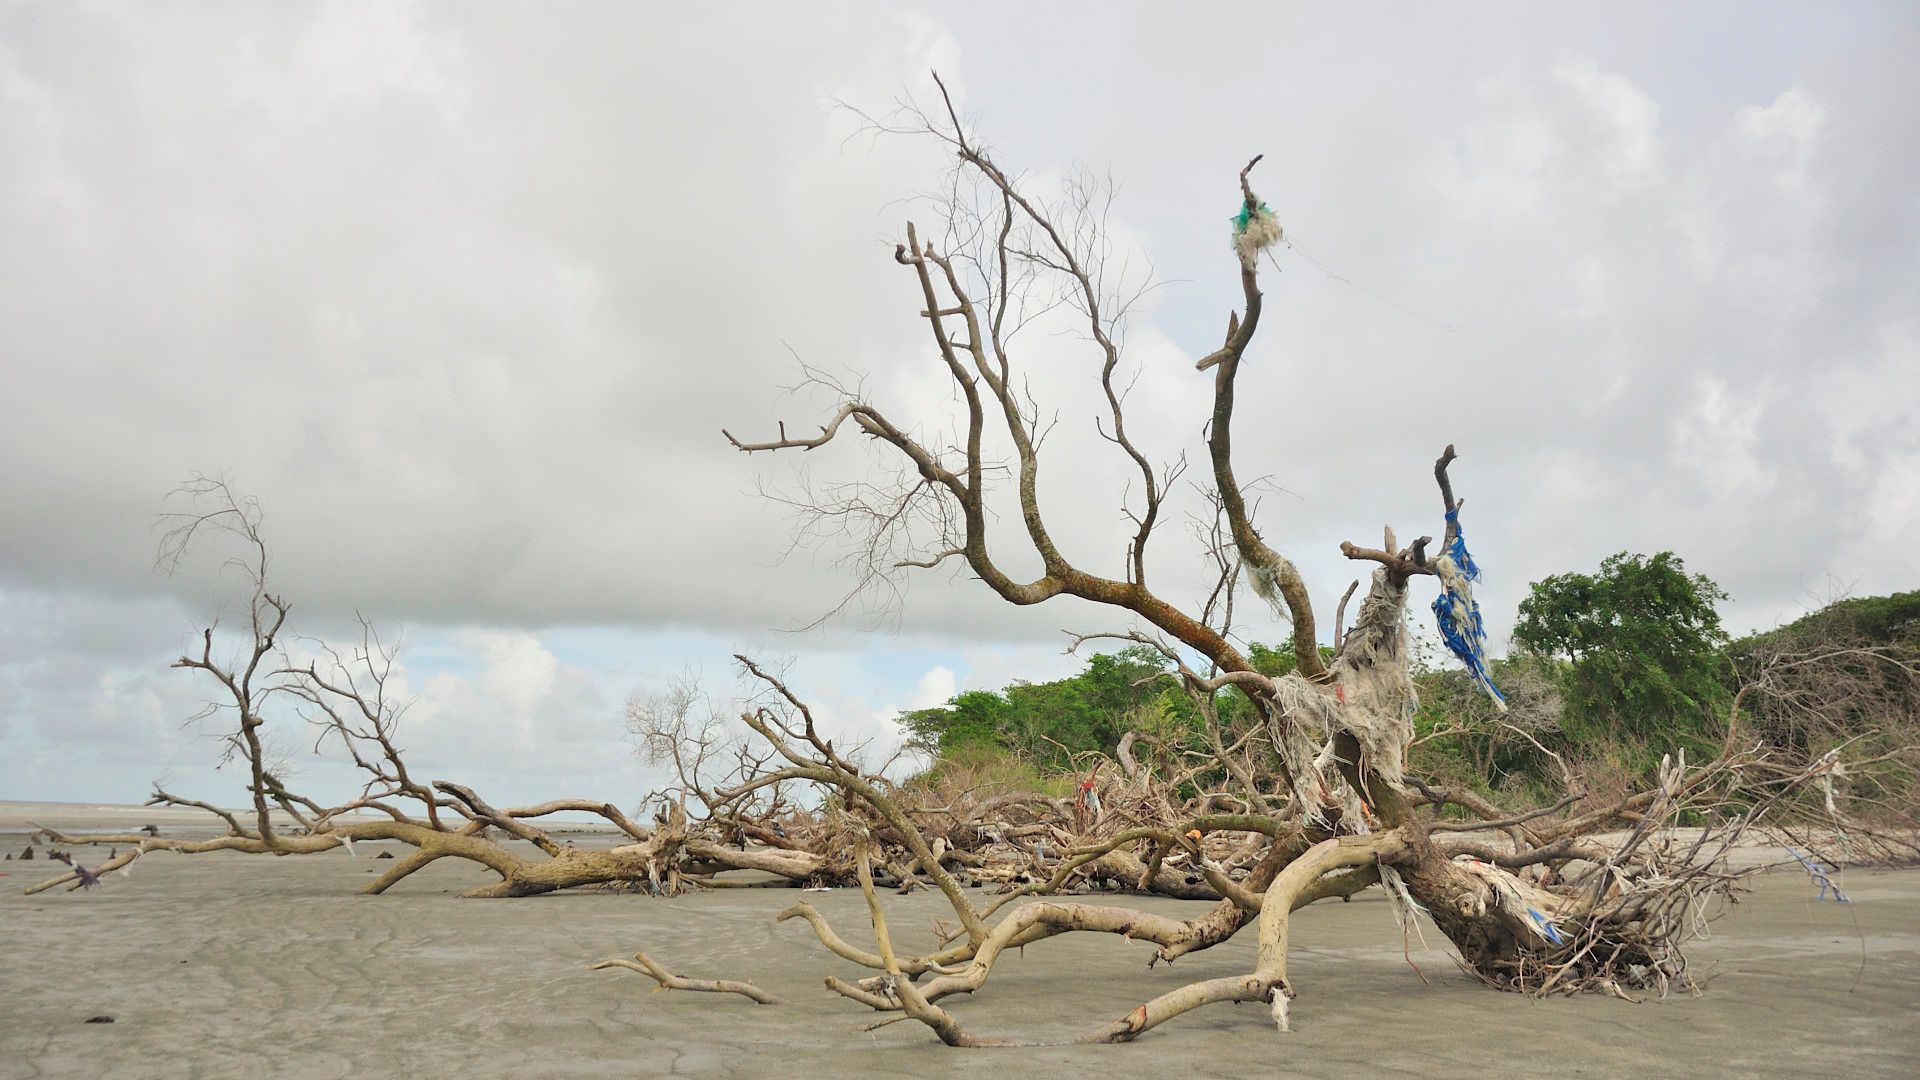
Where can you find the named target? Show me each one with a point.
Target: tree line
(1606, 672)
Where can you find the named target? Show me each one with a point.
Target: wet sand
(234, 965)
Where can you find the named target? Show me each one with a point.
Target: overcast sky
(463, 293)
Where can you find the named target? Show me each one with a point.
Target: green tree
(973, 720)
(1640, 649)
(1045, 722)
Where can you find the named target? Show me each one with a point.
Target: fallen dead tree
(1540, 901)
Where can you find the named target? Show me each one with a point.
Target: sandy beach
(235, 965)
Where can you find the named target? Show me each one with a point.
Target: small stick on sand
(647, 965)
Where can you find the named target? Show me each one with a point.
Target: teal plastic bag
(1245, 217)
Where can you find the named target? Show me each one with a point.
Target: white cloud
(935, 688)
(1720, 440)
(1625, 133)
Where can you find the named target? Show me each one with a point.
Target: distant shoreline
(17, 816)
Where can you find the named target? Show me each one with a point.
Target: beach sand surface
(237, 965)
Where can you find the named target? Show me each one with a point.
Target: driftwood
(647, 966)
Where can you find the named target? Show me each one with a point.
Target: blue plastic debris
(1819, 872)
(1458, 612)
(1546, 927)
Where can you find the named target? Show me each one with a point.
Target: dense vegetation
(1607, 671)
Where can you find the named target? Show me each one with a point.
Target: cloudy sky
(463, 293)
